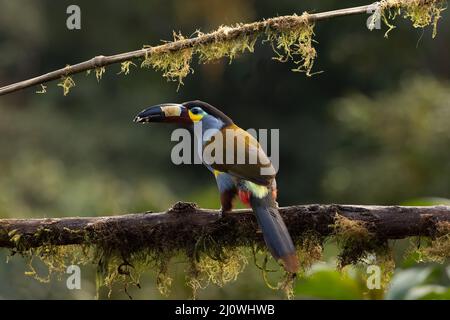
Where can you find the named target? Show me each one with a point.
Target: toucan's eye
(196, 110)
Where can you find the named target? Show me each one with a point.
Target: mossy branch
(217, 247)
(185, 221)
(291, 37)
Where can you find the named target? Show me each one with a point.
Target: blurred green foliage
(372, 128)
(429, 282)
(329, 284)
(396, 143)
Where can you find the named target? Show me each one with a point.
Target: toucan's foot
(223, 212)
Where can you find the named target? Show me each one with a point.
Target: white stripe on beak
(173, 110)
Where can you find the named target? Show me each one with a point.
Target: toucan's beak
(168, 112)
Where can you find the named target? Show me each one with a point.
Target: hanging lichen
(291, 37)
(422, 13)
(174, 65)
(67, 84)
(125, 67)
(43, 89)
(223, 270)
(438, 248)
(356, 241)
(99, 73)
(309, 251)
(295, 44)
(225, 48)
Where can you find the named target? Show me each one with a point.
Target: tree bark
(186, 219)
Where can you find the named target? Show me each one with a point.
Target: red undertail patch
(245, 197)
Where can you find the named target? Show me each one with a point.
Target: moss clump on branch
(175, 65)
(356, 241)
(438, 248)
(125, 67)
(309, 251)
(99, 73)
(224, 47)
(218, 270)
(361, 248)
(224, 269)
(295, 44)
(422, 13)
(384, 259)
(289, 42)
(67, 84)
(56, 259)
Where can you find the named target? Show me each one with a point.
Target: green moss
(174, 65)
(438, 247)
(220, 271)
(295, 44)
(309, 251)
(163, 278)
(361, 248)
(55, 258)
(67, 84)
(99, 73)
(43, 89)
(420, 13)
(285, 284)
(226, 48)
(356, 241)
(212, 262)
(122, 257)
(125, 67)
(213, 259)
(289, 43)
(115, 270)
(15, 237)
(384, 259)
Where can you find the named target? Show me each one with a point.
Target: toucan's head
(186, 113)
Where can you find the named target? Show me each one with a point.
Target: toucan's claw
(224, 213)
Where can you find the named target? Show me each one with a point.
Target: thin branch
(277, 24)
(186, 221)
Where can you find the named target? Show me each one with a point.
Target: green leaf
(404, 280)
(429, 292)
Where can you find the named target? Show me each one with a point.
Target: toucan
(252, 181)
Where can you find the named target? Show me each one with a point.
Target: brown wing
(247, 161)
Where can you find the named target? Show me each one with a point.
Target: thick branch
(224, 34)
(186, 221)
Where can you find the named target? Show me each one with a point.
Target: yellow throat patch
(195, 117)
